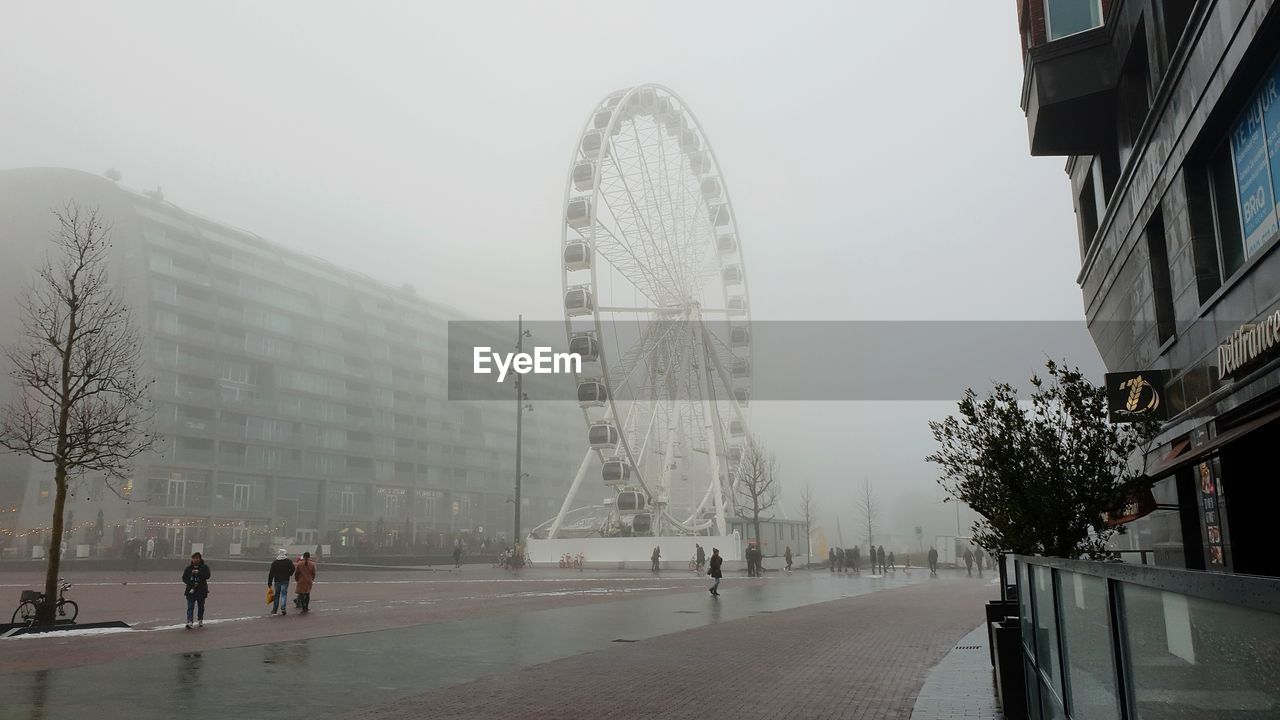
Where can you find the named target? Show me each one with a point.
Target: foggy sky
(875, 154)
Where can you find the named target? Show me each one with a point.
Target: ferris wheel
(656, 303)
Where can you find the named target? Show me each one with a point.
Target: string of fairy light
(256, 529)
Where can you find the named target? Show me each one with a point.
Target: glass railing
(1113, 641)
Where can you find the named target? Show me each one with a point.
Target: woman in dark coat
(196, 578)
(714, 570)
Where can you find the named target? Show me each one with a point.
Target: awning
(1140, 504)
(1179, 458)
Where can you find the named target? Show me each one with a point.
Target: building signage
(1212, 521)
(1136, 396)
(1255, 152)
(1248, 343)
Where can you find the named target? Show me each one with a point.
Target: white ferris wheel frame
(721, 482)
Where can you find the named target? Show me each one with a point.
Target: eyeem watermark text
(542, 361)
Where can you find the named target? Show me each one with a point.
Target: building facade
(299, 402)
(1168, 112)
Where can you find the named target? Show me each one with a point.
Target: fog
(875, 152)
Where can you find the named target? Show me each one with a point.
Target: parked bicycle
(32, 600)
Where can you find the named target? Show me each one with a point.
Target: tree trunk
(45, 613)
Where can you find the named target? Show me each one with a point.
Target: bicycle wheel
(25, 614)
(68, 609)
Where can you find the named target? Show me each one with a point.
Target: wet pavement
(340, 674)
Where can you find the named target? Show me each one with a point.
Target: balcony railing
(1112, 640)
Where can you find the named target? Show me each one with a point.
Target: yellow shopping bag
(271, 594)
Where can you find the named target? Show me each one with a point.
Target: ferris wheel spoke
(621, 258)
(641, 227)
(670, 253)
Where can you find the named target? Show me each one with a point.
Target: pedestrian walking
(787, 555)
(968, 560)
(842, 559)
(151, 548)
(304, 571)
(701, 558)
(196, 579)
(656, 557)
(892, 565)
(978, 559)
(457, 556)
(933, 561)
(831, 558)
(857, 558)
(278, 577)
(714, 570)
(880, 557)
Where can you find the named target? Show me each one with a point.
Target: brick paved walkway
(960, 687)
(864, 658)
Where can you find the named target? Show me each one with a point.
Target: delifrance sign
(1248, 343)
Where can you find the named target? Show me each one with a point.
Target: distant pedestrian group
(281, 572)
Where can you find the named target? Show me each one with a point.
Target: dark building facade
(1168, 112)
(300, 402)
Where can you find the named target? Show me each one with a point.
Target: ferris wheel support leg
(573, 492)
(717, 485)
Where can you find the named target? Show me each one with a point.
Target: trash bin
(1010, 684)
(997, 610)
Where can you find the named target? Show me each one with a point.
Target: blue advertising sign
(1253, 176)
(1255, 150)
(1269, 97)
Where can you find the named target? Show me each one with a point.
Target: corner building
(1168, 112)
(299, 401)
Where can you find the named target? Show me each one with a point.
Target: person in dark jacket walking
(196, 579)
(656, 558)
(787, 555)
(701, 558)
(968, 561)
(857, 558)
(714, 570)
(893, 565)
(933, 561)
(457, 556)
(880, 557)
(831, 558)
(278, 577)
(978, 559)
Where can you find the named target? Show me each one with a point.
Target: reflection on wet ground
(332, 676)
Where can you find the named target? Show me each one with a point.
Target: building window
(1133, 95)
(1087, 211)
(238, 372)
(1226, 212)
(1068, 17)
(1161, 286)
(177, 494)
(240, 496)
(347, 503)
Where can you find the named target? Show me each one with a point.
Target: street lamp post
(521, 334)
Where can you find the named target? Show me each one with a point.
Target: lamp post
(521, 334)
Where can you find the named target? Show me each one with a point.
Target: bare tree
(869, 510)
(80, 404)
(808, 508)
(757, 483)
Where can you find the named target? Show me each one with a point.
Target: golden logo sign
(1138, 387)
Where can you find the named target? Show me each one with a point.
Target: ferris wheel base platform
(631, 552)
